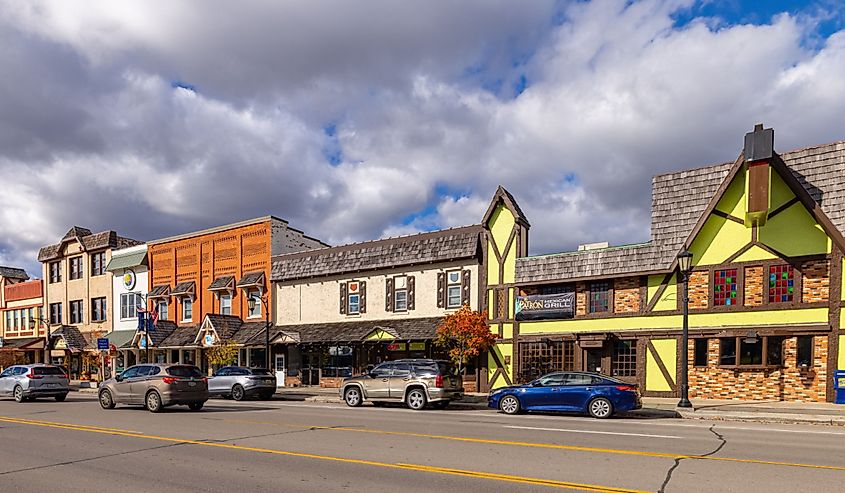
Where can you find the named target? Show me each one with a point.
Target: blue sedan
(591, 393)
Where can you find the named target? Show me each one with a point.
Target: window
(579, 379)
(382, 371)
(453, 289)
(162, 310)
(98, 309)
(353, 299)
(75, 267)
(554, 380)
(129, 305)
(400, 294)
(9, 320)
(599, 297)
(256, 310)
(700, 358)
(55, 272)
(401, 369)
(55, 313)
(727, 351)
(804, 355)
(781, 283)
(187, 309)
(751, 351)
(774, 351)
(226, 304)
(725, 287)
(98, 264)
(557, 289)
(76, 312)
(542, 357)
(624, 361)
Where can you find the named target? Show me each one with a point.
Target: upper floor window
(162, 310)
(55, 272)
(781, 283)
(354, 298)
(557, 288)
(226, 304)
(98, 264)
(75, 265)
(453, 289)
(599, 296)
(129, 305)
(725, 287)
(255, 311)
(55, 313)
(187, 309)
(98, 309)
(76, 312)
(400, 294)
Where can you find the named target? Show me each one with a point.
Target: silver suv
(238, 382)
(416, 382)
(27, 382)
(156, 386)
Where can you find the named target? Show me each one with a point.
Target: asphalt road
(291, 447)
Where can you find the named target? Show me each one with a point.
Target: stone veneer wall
(626, 295)
(699, 289)
(753, 289)
(785, 384)
(815, 281)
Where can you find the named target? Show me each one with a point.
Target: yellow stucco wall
(668, 300)
(718, 239)
(502, 350)
(794, 232)
(667, 349)
(733, 200)
(840, 364)
(754, 254)
(507, 331)
(501, 224)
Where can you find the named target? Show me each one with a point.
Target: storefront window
(339, 362)
(541, 357)
(804, 356)
(189, 357)
(257, 358)
(700, 358)
(624, 361)
(727, 351)
(751, 352)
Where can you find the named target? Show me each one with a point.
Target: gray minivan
(28, 382)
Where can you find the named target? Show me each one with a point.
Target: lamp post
(685, 265)
(33, 322)
(251, 301)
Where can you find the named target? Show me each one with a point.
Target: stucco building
(129, 276)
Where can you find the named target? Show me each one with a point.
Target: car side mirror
(118, 378)
(372, 374)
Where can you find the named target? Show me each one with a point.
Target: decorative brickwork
(626, 295)
(699, 289)
(580, 298)
(815, 281)
(784, 384)
(753, 286)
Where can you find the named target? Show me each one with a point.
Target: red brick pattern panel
(580, 298)
(782, 384)
(699, 289)
(626, 295)
(815, 283)
(753, 286)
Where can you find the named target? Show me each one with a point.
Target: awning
(184, 289)
(120, 337)
(406, 329)
(160, 291)
(252, 280)
(222, 283)
(22, 344)
(127, 261)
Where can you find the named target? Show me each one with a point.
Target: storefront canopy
(362, 331)
(127, 261)
(22, 344)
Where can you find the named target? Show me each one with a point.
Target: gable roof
(403, 329)
(505, 197)
(13, 273)
(88, 241)
(424, 248)
(679, 203)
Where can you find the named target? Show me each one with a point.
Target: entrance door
(592, 360)
(280, 370)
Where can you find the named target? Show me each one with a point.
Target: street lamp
(685, 266)
(251, 301)
(33, 322)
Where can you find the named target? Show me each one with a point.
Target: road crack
(678, 460)
(89, 459)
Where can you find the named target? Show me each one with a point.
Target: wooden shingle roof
(88, 240)
(13, 273)
(438, 246)
(404, 329)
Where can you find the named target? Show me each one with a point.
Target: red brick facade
(753, 289)
(626, 295)
(815, 282)
(699, 289)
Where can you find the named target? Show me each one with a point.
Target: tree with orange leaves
(465, 334)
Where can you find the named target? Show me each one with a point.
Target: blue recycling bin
(839, 386)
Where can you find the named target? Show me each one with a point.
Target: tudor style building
(765, 291)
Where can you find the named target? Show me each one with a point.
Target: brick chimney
(759, 150)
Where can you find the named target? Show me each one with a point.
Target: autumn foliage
(465, 334)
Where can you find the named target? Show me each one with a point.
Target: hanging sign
(102, 344)
(417, 346)
(396, 346)
(545, 306)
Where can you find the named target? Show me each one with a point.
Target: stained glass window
(599, 297)
(781, 283)
(725, 287)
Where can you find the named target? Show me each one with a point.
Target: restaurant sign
(545, 306)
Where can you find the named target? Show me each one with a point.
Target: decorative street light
(35, 321)
(685, 266)
(251, 301)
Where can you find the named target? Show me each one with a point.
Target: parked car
(28, 382)
(416, 382)
(156, 386)
(598, 395)
(239, 382)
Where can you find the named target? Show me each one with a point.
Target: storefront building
(128, 269)
(765, 290)
(78, 294)
(22, 336)
(343, 309)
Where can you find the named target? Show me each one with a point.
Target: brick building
(21, 333)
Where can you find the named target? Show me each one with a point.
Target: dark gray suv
(416, 382)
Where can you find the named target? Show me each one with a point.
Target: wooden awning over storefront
(22, 344)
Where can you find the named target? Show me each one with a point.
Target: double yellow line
(408, 467)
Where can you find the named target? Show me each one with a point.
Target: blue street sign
(103, 343)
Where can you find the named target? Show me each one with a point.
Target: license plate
(192, 384)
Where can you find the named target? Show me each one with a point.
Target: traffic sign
(103, 343)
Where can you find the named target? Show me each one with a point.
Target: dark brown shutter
(363, 298)
(388, 294)
(343, 298)
(441, 289)
(411, 291)
(465, 278)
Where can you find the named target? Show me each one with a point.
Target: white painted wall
(118, 288)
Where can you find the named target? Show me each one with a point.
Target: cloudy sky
(358, 120)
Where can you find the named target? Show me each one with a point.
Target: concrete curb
(762, 417)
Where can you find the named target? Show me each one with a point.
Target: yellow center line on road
(576, 448)
(408, 467)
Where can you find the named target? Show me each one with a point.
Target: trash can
(839, 386)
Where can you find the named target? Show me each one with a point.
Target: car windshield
(260, 371)
(184, 371)
(47, 370)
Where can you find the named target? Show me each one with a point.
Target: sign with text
(103, 343)
(545, 306)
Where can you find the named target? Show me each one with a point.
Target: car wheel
(416, 399)
(352, 396)
(18, 394)
(153, 402)
(196, 406)
(61, 397)
(510, 405)
(238, 392)
(106, 401)
(600, 408)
